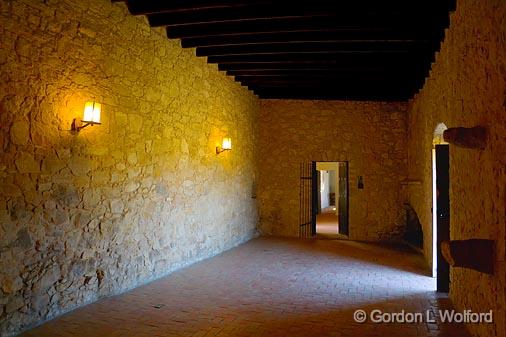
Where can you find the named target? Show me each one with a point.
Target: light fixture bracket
(226, 145)
(78, 125)
(219, 149)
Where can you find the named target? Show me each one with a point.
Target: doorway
(440, 214)
(330, 199)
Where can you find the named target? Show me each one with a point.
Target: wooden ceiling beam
(308, 70)
(219, 15)
(351, 58)
(335, 78)
(425, 16)
(349, 80)
(318, 91)
(303, 24)
(318, 64)
(303, 47)
(366, 85)
(318, 95)
(143, 7)
(323, 93)
(315, 36)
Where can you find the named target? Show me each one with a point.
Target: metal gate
(306, 200)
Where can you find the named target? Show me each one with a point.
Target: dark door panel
(443, 214)
(315, 188)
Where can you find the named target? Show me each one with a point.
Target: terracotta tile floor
(270, 287)
(327, 222)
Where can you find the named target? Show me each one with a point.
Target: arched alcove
(438, 134)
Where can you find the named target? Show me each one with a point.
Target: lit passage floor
(327, 224)
(272, 287)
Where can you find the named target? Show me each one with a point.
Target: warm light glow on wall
(92, 112)
(226, 145)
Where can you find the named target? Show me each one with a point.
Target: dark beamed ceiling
(315, 49)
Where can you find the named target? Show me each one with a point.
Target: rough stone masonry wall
(370, 135)
(467, 87)
(96, 213)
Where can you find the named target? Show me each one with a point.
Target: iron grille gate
(306, 200)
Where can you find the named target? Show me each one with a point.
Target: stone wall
(467, 88)
(370, 135)
(93, 214)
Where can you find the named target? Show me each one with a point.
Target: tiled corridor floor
(270, 287)
(327, 223)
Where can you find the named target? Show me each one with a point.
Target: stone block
(14, 304)
(11, 285)
(117, 206)
(20, 133)
(79, 166)
(26, 163)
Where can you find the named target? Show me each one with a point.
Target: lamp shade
(92, 112)
(226, 144)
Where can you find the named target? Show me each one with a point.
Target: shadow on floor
(385, 253)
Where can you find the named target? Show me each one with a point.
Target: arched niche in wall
(438, 139)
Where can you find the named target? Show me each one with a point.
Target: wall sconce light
(226, 145)
(91, 116)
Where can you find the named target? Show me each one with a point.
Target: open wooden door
(343, 202)
(443, 214)
(319, 192)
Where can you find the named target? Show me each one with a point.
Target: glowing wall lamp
(226, 145)
(91, 116)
